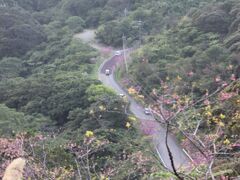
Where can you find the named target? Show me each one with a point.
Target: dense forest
(56, 114)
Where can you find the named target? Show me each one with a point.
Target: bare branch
(78, 169)
(171, 156)
(195, 132)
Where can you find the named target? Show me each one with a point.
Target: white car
(107, 72)
(122, 95)
(118, 53)
(147, 111)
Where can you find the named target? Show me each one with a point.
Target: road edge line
(164, 164)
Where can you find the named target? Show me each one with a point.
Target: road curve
(158, 133)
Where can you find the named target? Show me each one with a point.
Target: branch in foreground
(170, 155)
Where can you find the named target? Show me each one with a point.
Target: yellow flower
(198, 114)
(179, 78)
(208, 107)
(89, 134)
(236, 115)
(226, 142)
(102, 108)
(128, 125)
(222, 116)
(221, 124)
(132, 118)
(102, 177)
(187, 100)
(174, 106)
(208, 113)
(91, 112)
(98, 142)
(131, 90)
(238, 101)
(216, 120)
(167, 78)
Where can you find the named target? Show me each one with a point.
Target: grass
(118, 75)
(95, 70)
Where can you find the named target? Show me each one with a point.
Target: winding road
(159, 133)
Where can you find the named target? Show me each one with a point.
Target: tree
(96, 92)
(11, 67)
(19, 32)
(75, 23)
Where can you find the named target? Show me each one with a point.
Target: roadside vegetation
(189, 74)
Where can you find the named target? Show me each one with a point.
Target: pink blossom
(165, 87)
(236, 145)
(180, 109)
(190, 73)
(217, 79)
(176, 97)
(168, 101)
(224, 84)
(233, 78)
(206, 102)
(225, 96)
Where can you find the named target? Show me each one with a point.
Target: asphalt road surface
(159, 133)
